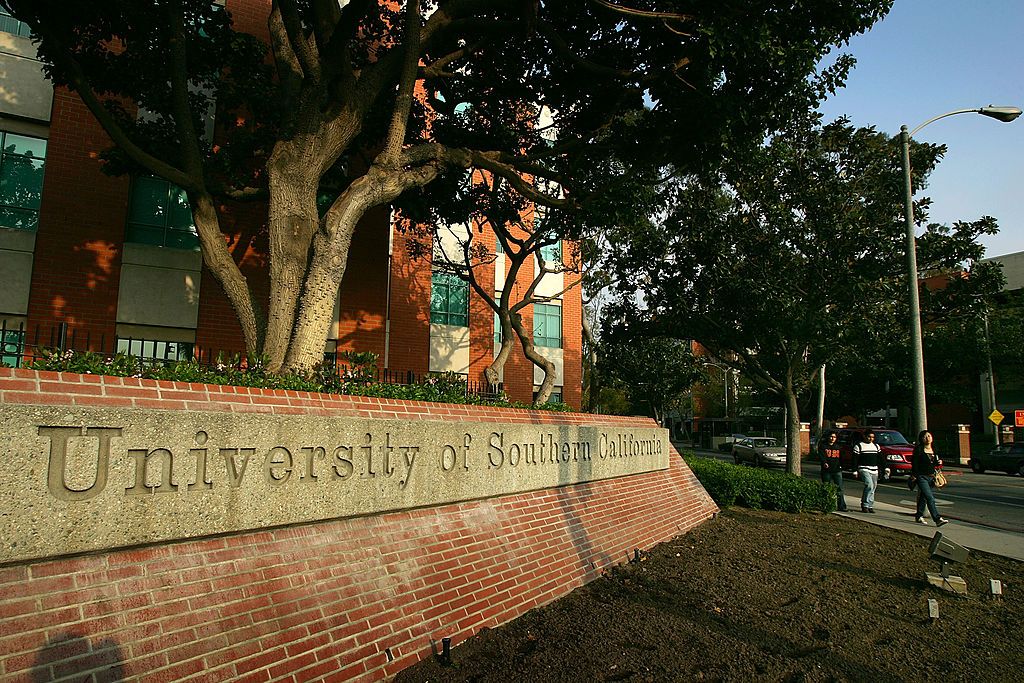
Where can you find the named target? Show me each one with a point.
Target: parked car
(729, 441)
(760, 451)
(1008, 457)
(896, 450)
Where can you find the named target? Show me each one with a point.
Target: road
(993, 500)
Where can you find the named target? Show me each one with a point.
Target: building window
(497, 320)
(547, 325)
(9, 24)
(556, 395)
(552, 254)
(449, 300)
(159, 214)
(12, 346)
(21, 180)
(152, 350)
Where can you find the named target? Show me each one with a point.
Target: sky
(929, 57)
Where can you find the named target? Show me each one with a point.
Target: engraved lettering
(142, 458)
(56, 480)
(309, 474)
(276, 471)
(448, 458)
(235, 473)
(409, 454)
(368, 473)
(343, 467)
(466, 440)
(495, 452)
(201, 481)
(387, 449)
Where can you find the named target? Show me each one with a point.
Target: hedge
(755, 488)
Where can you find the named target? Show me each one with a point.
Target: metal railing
(20, 347)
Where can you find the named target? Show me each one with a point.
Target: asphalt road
(990, 499)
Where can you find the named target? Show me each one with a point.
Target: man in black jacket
(828, 451)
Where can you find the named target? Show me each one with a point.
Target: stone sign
(82, 479)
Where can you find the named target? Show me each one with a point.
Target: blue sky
(928, 57)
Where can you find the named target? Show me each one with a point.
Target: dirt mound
(762, 596)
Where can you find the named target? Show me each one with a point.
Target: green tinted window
(9, 24)
(159, 214)
(449, 300)
(547, 325)
(22, 163)
(12, 346)
(552, 254)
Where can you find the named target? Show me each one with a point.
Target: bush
(354, 378)
(729, 485)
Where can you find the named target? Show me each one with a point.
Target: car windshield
(765, 443)
(890, 439)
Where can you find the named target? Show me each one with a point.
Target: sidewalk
(973, 536)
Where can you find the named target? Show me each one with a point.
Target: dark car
(761, 451)
(896, 450)
(1008, 457)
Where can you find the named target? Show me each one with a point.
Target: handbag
(940, 480)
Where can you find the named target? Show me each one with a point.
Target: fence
(20, 348)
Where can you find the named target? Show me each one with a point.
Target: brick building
(117, 258)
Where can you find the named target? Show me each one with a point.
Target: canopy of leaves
(791, 256)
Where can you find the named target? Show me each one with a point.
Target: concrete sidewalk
(973, 536)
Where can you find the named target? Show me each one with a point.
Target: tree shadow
(72, 657)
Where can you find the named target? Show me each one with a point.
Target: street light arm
(976, 110)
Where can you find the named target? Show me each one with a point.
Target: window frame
(544, 311)
(135, 228)
(446, 316)
(4, 156)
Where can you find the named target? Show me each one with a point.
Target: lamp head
(1004, 114)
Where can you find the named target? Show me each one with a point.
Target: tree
(375, 103)
(656, 373)
(785, 258)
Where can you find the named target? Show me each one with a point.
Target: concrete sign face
(82, 479)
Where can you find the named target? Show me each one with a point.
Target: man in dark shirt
(831, 472)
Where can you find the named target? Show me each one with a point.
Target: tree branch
(179, 94)
(406, 84)
(305, 50)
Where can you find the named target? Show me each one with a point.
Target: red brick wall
(77, 266)
(326, 601)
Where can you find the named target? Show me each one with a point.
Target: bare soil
(763, 596)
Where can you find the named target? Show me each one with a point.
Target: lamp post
(1005, 114)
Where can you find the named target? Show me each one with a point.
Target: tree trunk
(530, 351)
(493, 371)
(331, 246)
(224, 269)
(292, 221)
(591, 382)
(792, 430)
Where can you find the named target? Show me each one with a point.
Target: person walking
(922, 471)
(831, 472)
(868, 456)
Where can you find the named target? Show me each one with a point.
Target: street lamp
(1005, 114)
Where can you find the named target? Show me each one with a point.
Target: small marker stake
(995, 586)
(933, 609)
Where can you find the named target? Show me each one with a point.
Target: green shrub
(729, 485)
(354, 379)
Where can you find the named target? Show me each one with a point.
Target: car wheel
(976, 467)
(736, 459)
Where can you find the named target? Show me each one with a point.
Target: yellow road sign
(996, 417)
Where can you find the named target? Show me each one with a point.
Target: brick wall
(351, 599)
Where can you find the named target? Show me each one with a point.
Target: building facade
(117, 260)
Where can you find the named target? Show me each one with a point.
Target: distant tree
(788, 257)
(655, 373)
(368, 103)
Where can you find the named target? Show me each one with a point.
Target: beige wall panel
(24, 90)
(16, 248)
(449, 348)
(159, 286)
